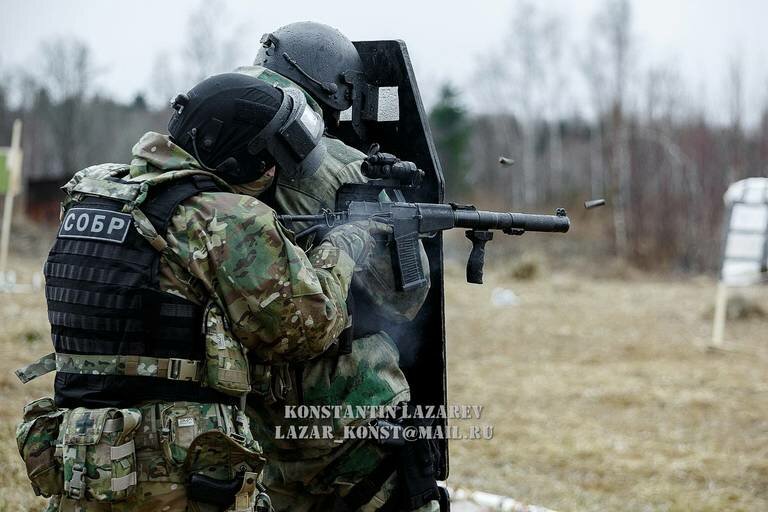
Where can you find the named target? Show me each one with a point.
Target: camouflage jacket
(318, 192)
(370, 374)
(282, 304)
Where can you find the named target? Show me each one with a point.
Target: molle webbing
(118, 338)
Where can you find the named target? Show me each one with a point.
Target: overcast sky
(698, 37)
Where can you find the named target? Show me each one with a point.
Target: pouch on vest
(36, 437)
(211, 439)
(261, 382)
(99, 454)
(226, 365)
(274, 383)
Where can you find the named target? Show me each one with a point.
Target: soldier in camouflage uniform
(313, 474)
(170, 246)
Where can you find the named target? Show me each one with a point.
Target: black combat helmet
(317, 57)
(238, 126)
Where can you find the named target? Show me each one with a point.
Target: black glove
(378, 165)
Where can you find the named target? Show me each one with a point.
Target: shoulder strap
(163, 200)
(104, 180)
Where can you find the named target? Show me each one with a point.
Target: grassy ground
(602, 394)
(23, 338)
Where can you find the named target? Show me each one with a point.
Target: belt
(172, 368)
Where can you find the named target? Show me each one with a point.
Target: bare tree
(211, 46)
(5, 121)
(67, 70)
(165, 81)
(558, 96)
(520, 75)
(650, 148)
(67, 74)
(763, 134)
(663, 96)
(207, 49)
(613, 44)
(499, 129)
(527, 70)
(670, 182)
(594, 76)
(736, 149)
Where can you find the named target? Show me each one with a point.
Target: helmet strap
(328, 87)
(193, 136)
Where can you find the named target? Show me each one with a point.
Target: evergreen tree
(451, 130)
(139, 103)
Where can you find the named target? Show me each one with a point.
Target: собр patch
(95, 224)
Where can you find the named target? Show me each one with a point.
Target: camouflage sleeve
(280, 306)
(377, 281)
(314, 193)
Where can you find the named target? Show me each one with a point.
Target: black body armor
(102, 289)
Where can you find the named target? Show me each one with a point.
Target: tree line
(661, 160)
(658, 158)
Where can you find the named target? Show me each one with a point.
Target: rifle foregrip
(476, 259)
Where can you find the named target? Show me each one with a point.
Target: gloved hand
(356, 239)
(378, 165)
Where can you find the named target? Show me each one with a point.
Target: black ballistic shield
(388, 110)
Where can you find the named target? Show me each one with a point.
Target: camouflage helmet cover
(317, 57)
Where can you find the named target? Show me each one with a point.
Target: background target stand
(11, 160)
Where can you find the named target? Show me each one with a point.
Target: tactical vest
(118, 338)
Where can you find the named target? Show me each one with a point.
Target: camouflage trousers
(314, 485)
(307, 475)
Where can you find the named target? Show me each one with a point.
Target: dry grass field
(602, 394)
(24, 336)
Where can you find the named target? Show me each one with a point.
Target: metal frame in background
(721, 295)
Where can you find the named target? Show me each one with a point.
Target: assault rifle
(382, 199)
